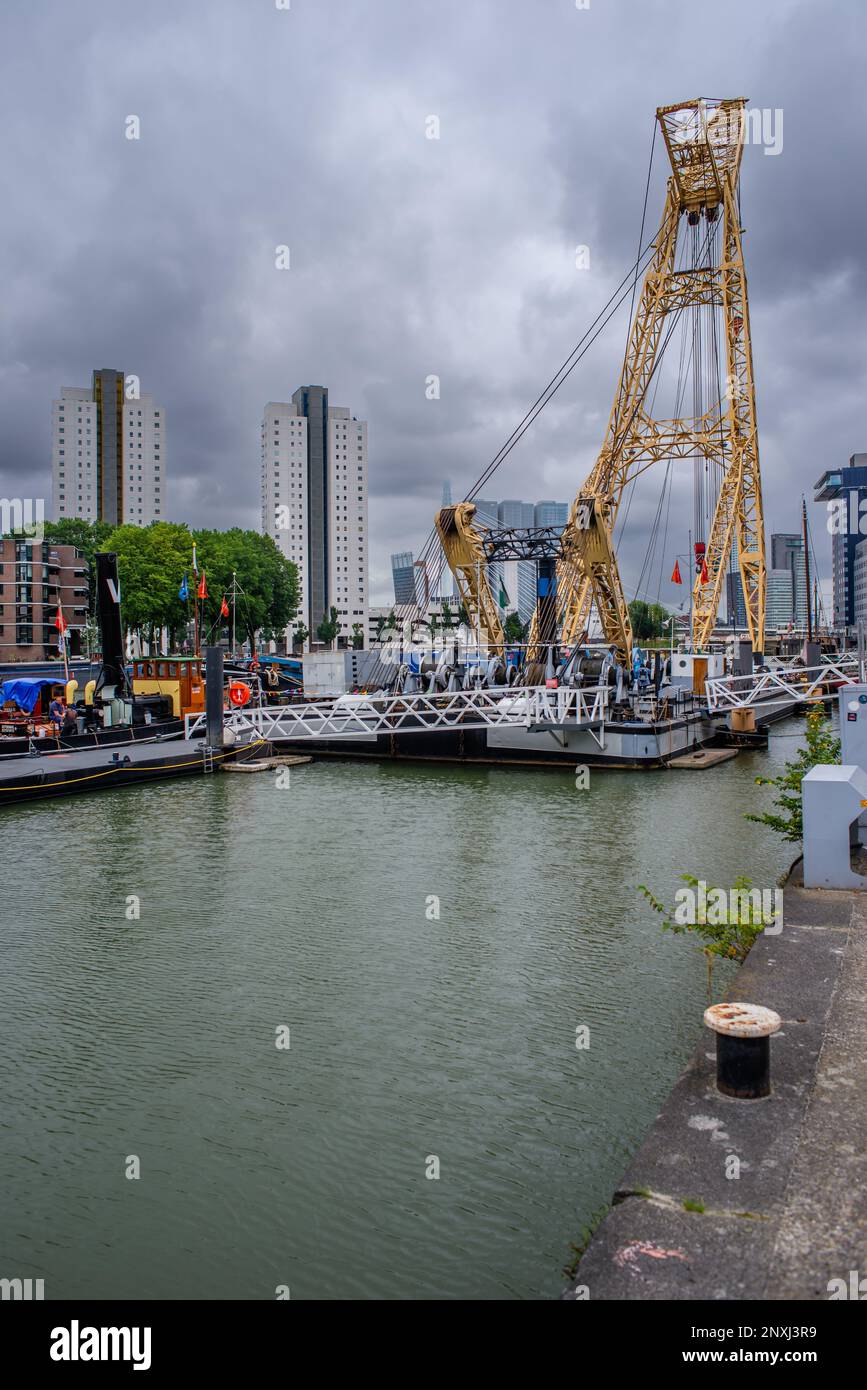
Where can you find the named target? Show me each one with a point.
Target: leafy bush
(821, 747)
(726, 921)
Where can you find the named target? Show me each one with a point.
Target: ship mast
(807, 570)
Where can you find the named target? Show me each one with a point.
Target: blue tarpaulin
(25, 692)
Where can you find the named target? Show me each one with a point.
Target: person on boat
(55, 713)
(70, 721)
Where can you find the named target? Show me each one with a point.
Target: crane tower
(704, 142)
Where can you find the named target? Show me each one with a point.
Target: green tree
(383, 624)
(300, 635)
(821, 747)
(152, 561)
(513, 628)
(269, 591)
(448, 619)
(357, 637)
(329, 628)
(88, 537)
(649, 620)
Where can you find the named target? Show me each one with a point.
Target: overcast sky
(411, 256)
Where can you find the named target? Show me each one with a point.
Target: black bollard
(743, 1048)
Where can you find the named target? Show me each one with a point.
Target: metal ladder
(207, 760)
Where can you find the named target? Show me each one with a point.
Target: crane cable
(564, 371)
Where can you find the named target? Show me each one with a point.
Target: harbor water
(330, 1021)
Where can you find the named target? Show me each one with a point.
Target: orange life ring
(239, 693)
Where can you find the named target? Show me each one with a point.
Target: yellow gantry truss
(463, 547)
(704, 141)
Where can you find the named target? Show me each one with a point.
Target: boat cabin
(24, 705)
(181, 678)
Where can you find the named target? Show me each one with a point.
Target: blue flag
(184, 591)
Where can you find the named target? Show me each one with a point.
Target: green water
(310, 907)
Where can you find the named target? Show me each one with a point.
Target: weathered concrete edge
(651, 1246)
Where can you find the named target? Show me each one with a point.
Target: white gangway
(363, 716)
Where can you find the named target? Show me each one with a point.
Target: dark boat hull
(36, 778)
(101, 738)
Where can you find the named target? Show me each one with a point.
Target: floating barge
(64, 773)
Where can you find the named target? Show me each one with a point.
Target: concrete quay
(794, 1219)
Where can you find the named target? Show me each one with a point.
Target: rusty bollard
(743, 1048)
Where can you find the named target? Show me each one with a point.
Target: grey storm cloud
(305, 126)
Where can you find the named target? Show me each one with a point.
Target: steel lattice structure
(704, 141)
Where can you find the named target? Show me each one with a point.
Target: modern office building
(736, 608)
(108, 452)
(487, 512)
(517, 579)
(314, 504)
(516, 513)
(551, 514)
(844, 490)
(403, 577)
(36, 578)
(787, 552)
(859, 584)
(779, 600)
(785, 586)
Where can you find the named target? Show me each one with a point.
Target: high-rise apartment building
(108, 452)
(314, 504)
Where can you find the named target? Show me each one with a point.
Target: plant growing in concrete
(727, 921)
(579, 1246)
(821, 747)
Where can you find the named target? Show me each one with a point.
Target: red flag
(675, 574)
(203, 588)
(60, 621)
(224, 608)
(705, 577)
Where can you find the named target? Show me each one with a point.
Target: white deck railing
(362, 716)
(794, 683)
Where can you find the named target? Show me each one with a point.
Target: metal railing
(798, 683)
(364, 716)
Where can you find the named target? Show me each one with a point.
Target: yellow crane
(704, 141)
